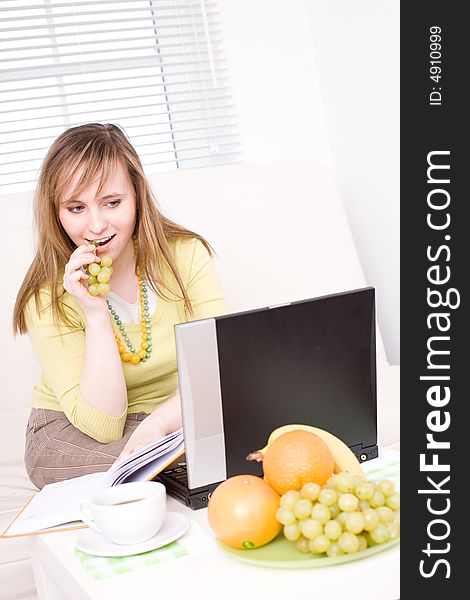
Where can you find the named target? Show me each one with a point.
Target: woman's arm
(80, 364)
(102, 382)
(60, 353)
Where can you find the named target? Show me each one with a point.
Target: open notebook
(55, 507)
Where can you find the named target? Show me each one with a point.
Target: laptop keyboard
(175, 479)
(178, 474)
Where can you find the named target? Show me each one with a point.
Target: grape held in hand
(99, 275)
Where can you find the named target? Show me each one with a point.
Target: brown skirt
(56, 450)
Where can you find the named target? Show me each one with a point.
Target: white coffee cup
(126, 514)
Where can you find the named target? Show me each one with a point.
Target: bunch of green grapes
(98, 276)
(348, 514)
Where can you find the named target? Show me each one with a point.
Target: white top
(130, 312)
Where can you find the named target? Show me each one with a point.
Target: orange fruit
(242, 512)
(295, 458)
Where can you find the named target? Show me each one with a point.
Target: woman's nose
(96, 221)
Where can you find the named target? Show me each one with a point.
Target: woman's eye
(114, 203)
(76, 209)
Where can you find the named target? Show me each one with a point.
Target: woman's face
(108, 219)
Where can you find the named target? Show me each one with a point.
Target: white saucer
(174, 526)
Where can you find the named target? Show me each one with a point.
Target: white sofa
(281, 234)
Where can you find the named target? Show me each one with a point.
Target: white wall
(320, 80)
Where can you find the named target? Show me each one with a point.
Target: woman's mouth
(102, 242)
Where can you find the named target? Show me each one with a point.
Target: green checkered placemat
(196, 540)
(98, 567)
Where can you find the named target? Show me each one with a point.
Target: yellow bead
(126, 356)
(144, 339)
(142, 353)
(144, 345)
(135, 358)
(121, 348)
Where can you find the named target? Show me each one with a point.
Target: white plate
(174, 526)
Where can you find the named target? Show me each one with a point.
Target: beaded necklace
(130, 354)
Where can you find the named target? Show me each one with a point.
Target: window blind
(154, 67)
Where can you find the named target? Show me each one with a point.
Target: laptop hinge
(364, 453)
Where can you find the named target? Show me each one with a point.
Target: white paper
(57, 504)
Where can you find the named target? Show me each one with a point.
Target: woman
(109, 378)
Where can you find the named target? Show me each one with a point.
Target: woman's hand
(164, 420)
(150, 429)
(75, 280)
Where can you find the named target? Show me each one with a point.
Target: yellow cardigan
(60, 351)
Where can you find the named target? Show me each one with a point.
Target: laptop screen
(310, 362)
(245, 374)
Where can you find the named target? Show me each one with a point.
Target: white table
(213, 574)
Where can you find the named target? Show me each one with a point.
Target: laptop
(243, 375)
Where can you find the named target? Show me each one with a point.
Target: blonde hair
(97, 148)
